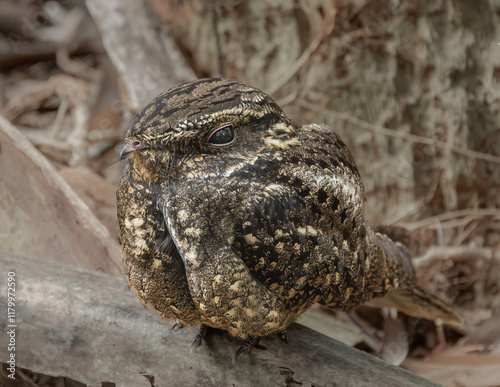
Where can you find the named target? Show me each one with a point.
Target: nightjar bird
(234, 217)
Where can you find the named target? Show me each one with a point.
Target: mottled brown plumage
(234, 217)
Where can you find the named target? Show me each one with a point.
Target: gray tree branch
(143, 52)
(90, 327)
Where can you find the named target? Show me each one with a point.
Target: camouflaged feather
(246, 236)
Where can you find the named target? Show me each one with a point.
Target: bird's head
(217, 122)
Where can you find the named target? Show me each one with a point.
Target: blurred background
(411, 87)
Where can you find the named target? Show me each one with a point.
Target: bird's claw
(247, 346)
(178, 325)
(202, 333)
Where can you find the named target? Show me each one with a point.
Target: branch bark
(88, 326)
(142, 50)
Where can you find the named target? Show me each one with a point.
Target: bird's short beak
(127, 149)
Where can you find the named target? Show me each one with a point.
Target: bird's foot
(202, 333)
(252, 342)
(283, 335)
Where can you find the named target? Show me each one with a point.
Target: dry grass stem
(401, 135)
(457, 254)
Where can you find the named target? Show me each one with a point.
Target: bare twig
(468, 213)
(70, 91)
(403, 136)
(404, 212)
(27, 379)
(61, 113)
(371, 336)
(457, 254)
(466, 231)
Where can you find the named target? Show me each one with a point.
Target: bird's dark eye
(223, 135)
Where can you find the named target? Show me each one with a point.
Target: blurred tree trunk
(427, 69)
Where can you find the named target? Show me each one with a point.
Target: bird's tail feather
(418, 302)
(406, 295)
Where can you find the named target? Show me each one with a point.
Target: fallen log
(90, 327)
